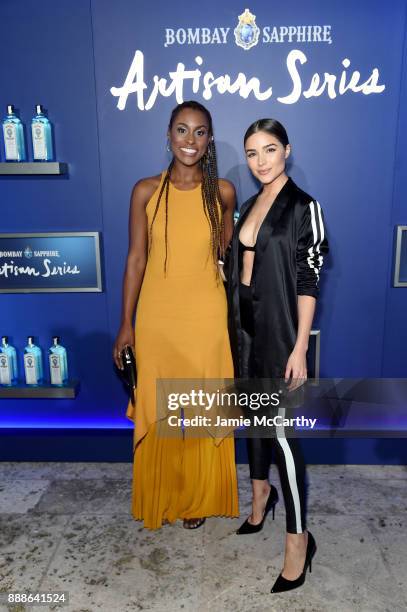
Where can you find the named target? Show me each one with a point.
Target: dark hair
(270, 126)
(193, 105)
(210, 188)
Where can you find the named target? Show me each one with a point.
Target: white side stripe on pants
(290, 467)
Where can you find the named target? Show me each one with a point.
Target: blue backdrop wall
(96, 66)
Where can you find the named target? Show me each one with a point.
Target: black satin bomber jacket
(289, 253)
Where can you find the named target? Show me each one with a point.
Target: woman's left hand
(296, 369)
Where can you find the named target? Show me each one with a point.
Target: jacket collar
(270, 221)
(279, 203)
(244, 209)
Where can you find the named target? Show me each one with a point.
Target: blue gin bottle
(58, 363)
(33, 363)
(8, 363)
(41, 131)
(13, 132)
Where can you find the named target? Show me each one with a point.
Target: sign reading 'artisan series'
(50, 262)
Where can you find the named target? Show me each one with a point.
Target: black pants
(287, 451)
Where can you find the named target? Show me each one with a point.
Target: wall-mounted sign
(50, 262)
(247, 33)
(400, 267)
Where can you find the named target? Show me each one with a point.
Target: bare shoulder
(226, 188)
(144, 188)
(227, 192)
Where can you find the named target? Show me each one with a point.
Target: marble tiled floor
(67, 527)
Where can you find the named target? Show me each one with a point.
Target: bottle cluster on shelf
(33, 363)
(15, 149)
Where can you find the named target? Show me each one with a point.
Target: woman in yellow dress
(180, 224)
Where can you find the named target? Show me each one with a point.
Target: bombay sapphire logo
(28, 252)
(246, 31)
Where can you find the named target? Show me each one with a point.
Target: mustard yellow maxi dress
(180, 332)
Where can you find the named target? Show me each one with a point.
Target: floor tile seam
(202, 599)
(112, 464)
(13, 480)
(355, 477)
(69, 519)
(30, 513)
(60, 479)
(333, 477)
(40, 475)
(202, 576)
(31, 493)
(127, 480)
(366, 479)
(124, 477)
(370, 514)
(86, 513)
(65, 463)
(106, 464)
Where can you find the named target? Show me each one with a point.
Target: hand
(296, 369)
(124, 337)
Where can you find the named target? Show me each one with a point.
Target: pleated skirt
(177, 478)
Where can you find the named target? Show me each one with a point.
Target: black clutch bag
(129, 372)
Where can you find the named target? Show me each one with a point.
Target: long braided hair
(209, 187)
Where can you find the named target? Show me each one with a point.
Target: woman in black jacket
(275, 260)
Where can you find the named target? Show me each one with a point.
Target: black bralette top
(242, 249)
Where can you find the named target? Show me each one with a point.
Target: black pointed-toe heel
(247, 527)
(282, 584)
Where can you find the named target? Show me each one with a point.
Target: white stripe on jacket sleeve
(315, 259)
